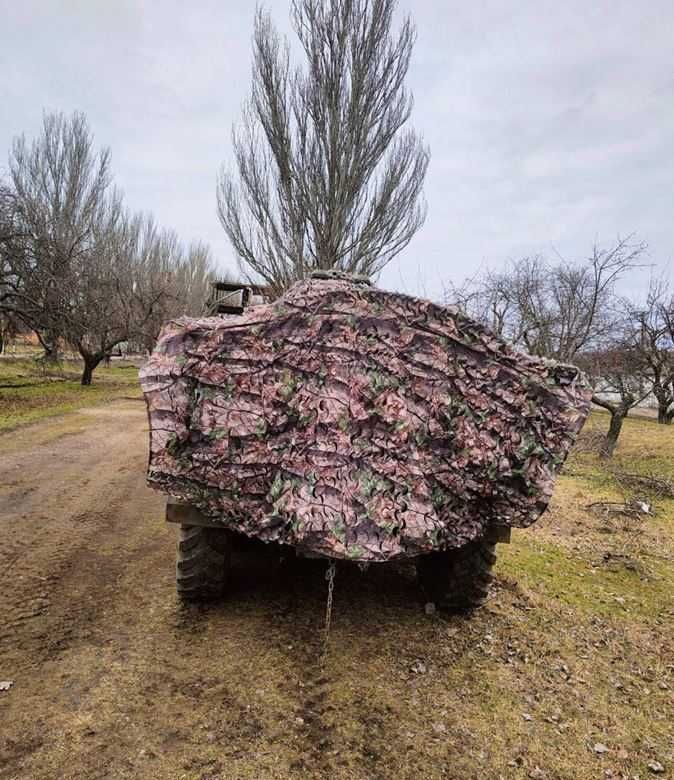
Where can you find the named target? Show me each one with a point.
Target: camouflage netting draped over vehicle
(356, 423)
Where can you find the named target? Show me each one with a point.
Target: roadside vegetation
(78, 269)
(31, 389)
(581, 650)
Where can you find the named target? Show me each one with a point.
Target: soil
(113, 678)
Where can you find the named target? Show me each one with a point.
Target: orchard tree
(135, 278)
(170, 281)
(8, 323)
(75, 266)
(554, 310)
(570, 312)
(100, 312)
(327, 176)
(620, 381)
(653, 339)
(58, 185)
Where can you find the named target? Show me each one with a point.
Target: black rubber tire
(202, 564)
(458, 580)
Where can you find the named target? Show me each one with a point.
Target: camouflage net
(356, 423)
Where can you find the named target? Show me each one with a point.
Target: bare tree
(7, 230)
(135, 277)
(653, 339)
(620, 383)
(75, 266)
(8, 226)
(327, 176)
(569, 312)
(194, 277)
(554, 310)
(169, 280)
(59, 184)
(158, 252)
(100, 314)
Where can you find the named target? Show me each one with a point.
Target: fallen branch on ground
(41, 381)
(652, 482)
(633, 508)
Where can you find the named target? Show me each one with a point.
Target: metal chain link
(330, 577)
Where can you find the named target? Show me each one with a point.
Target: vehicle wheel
(458, 580)
(202, 563)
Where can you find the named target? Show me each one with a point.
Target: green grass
(644, 447)
(30, 392)
(622, 587)
(585, 608)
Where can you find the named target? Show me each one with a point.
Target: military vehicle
(351, 423)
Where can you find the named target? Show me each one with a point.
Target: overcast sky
(551, 124)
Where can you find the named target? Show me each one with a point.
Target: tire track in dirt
(297, 630)
(317, 696)
(46, 534)
(69, 542)
(93, 626)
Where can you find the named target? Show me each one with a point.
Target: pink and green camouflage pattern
(356, 423)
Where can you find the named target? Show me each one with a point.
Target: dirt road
(112, 678)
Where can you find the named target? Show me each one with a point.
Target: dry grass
(29, 391)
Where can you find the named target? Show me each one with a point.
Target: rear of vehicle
(354, 424)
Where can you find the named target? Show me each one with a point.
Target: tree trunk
(88, 373)
(664, 414)
(50, 343)
(51, 355)
(90, 363)
(611, 440)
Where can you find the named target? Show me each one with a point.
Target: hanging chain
(330, 577)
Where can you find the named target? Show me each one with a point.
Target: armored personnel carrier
(351, 423)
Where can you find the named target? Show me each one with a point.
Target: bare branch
(553, 310)
(326, 176)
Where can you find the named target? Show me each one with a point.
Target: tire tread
(201, 570)
(458, 580)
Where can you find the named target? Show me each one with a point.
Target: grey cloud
(551, 125)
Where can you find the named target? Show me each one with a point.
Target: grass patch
(29, 391)
(644, 447)
(613, 584)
